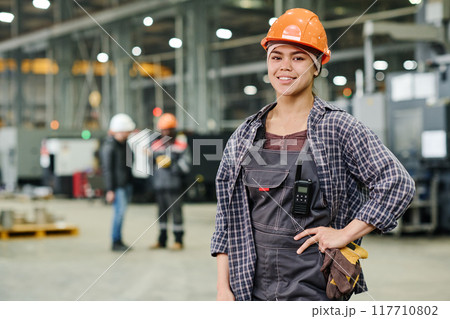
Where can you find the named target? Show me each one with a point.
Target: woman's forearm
(357, 229)
(223, 272)
(223, 279)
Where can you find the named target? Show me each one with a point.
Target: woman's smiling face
(291, 70)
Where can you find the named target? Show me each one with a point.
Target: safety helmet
(299, 26)
(167, 121)
(121, 123)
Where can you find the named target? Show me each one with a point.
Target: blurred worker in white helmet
(172, 159)
(116, 174)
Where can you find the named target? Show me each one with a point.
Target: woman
(267, 248)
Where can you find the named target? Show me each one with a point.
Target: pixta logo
(139, 150)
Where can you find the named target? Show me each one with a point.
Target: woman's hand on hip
(326, 237)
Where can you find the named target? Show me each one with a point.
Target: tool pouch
(342, 269)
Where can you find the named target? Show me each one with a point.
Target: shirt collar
(319, 105)
(265, 110)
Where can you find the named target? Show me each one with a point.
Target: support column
(122, 62)
(18, 102)
(306, 4)
(49, 91)
(179, 72)
(64, 84)
(423, 49)
(197, 43)
(106, 107)
(216, 99)
(369, 57)
(278, 8)
(140, 115)
(159, 92)
(62, 10)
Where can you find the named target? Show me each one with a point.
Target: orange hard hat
(299, 26)
(167, 121)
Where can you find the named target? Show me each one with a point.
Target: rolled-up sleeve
(219, 241)
(391, 188)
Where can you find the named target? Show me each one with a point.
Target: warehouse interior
(67, 66)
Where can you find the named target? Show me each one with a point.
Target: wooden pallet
(38, 231)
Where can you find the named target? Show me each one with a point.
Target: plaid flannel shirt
(359, 177)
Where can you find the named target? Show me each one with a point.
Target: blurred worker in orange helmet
(170, 155)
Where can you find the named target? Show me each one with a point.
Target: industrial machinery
(418, 118)
(19, 154)
(22, 160)
(412, 117)
(64, 158)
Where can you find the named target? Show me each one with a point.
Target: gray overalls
(282, 274)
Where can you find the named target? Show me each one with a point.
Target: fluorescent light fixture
(224, 34)
(148, 21)
(175, 43)
(102, 57)
(41, 4)
(250, 90)
(6, 17)
(410, 65)
(380, 65)
(340, 80)
(272, 20)
(136, 51)
(415, 1)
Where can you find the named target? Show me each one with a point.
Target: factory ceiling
(243, 17)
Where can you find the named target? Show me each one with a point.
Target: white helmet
(121, 123)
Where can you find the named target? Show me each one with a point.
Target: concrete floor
(83, 267)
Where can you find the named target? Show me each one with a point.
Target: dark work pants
(169, 205)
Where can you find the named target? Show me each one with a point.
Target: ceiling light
(415, 1)
(410, 65)
(224, 34)
(136, 51)
(340, 80)
(41, 4)
(266, 78)
(339, 10)
(272, 20)
(6, 17)
(250, 90)
(380, 65)
(148, 21)
(246, 4)
(324, 73)
(175, 43)
(102, 57)
(379, 76)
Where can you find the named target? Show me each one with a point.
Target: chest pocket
(271, 198)
(270, 179)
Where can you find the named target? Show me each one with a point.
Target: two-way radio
(302, 193)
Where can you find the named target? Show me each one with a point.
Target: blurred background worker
(116, 174)
(171, 156)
